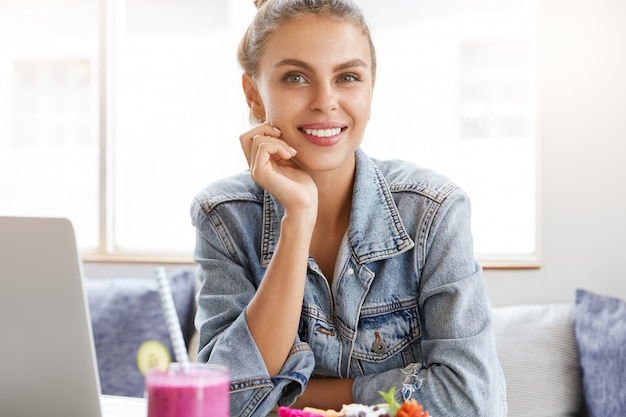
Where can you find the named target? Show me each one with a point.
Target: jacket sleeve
(226, 287)
(460, 374)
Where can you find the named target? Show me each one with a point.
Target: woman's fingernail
(276, 129)
(293, 151)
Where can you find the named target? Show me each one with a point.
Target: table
(115, 406)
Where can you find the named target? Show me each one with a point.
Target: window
(115, 113)
(49, 111)
(461, 79)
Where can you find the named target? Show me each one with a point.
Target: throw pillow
(537, 350)
(126, 313)
(601, 336)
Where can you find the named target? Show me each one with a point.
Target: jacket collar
(376, 230)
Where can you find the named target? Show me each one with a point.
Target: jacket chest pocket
(386, 337)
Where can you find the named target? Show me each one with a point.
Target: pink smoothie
(200, 391)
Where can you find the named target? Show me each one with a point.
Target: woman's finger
(246, 139)
(265, 149)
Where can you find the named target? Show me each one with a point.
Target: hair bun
(259, 3)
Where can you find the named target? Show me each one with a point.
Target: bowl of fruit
(390, 408)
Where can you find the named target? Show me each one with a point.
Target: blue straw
(171, 318)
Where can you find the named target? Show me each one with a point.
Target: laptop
(47, 356)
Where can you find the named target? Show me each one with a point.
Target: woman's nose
(324, 99)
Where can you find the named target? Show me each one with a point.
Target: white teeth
(323, 133)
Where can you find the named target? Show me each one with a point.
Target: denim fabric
(407, 306)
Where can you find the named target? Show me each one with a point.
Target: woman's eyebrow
(351, 64)
(293, 63)
(305, 66)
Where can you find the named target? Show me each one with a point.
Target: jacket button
(379, 346)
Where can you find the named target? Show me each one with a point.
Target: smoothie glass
(192, 390)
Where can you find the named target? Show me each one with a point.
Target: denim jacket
(407, 307)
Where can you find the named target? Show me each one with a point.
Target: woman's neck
(333, 219)
(334, 198)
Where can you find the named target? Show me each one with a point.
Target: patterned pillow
(601, 336)
(126, 313)
(537, 349)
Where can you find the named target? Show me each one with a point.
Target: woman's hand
(274, 167)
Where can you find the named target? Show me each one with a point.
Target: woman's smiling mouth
(323, 133)
(327, 136)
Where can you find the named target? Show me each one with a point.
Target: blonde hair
(272, 13)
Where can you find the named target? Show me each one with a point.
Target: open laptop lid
(47, 356)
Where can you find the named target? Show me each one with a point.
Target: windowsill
(503, 264)
(532, 263)
(138, 259)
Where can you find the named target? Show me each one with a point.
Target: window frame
(105, 252)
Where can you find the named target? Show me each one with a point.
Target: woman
(328, 276)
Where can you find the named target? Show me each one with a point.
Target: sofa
(559, 360)
(564, 359)
(127, 317)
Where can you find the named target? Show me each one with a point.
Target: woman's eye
(295, 78)
(348, 78)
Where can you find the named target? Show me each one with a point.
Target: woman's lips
(323, 136)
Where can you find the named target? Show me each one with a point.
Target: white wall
(582, 143)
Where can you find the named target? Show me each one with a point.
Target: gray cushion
(126, 312)
(601, 335)
(537, 349)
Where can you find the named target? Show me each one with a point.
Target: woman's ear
(257, 111)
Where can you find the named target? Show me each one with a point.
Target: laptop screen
(47, 366)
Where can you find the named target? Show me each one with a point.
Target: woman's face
(315, 84)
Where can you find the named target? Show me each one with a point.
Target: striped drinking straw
(171, 318)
